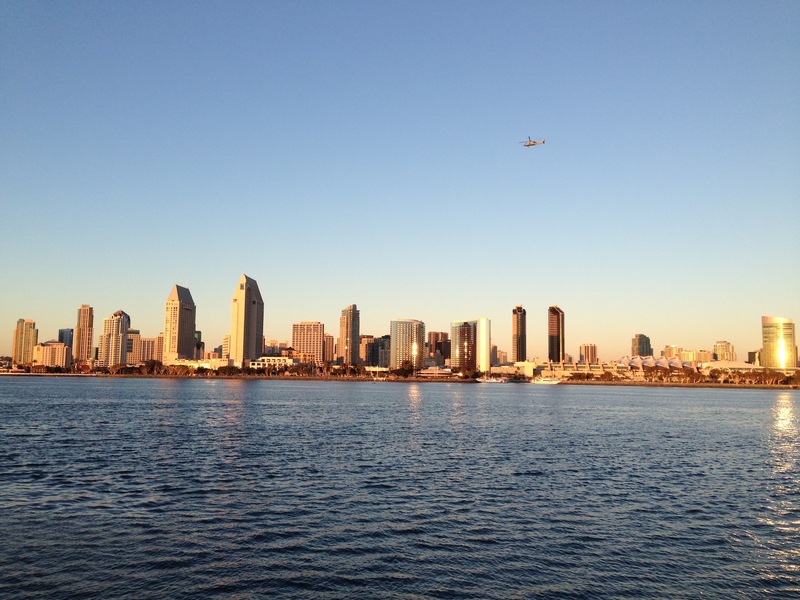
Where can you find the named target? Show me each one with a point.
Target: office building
(519, 338)
(328, 353)
(471, 345)
(84, 335)
(113, 348)
(179, 326)
(779, 350)
(435, 340)
(349, 332)
(588, 354)
(366, 350)
(133, 347)
(247, 322)
(724, 351)
(406, 343)
(640, 345)
(65, 337)
(308, 338)
(555, 334)
(26, 336)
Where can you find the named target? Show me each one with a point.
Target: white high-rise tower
(247, 322)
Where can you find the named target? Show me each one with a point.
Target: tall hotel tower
(555, 334)
(519, 337)
(308, 337)
(247, 322)
(779, 343)
(84, 334)
(113, 349)
(349, 335)
(179, 326)
(406, 343)
(471, 345)
(26, 336)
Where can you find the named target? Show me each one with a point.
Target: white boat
(546, 380)
(492, 380)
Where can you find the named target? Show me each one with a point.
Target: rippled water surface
(242, 489)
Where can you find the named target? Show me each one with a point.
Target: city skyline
(349, 136)
(247, 293)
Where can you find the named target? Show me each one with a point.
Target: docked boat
(546, 380)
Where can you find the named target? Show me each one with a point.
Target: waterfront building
(26, 336)
(406, 343)
(84, 334)
(366, 346)
(672, 351)
(179, 326)
(640, 345)
(349, 332)
(52, 354)
(779, 349)
(435, 341)
(247, 322)
(113, 348)
(519, 337)
(724, 351)
(382, 351)
(328, 354)
(308, 338)
(471, 345)
(147, 349)
(65, 337)
(133, 347)
(502, 357)
(588, 354)
(555, 334)
(158, 351)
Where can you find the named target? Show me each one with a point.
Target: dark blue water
(243, 489)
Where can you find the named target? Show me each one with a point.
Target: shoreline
(732, 386)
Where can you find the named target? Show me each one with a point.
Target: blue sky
(368, 153)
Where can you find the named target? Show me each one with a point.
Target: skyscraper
(179, 326)
(640, 345)
(84, 334)
(26, 336)
(349, 332)
(65, 337)
(308, 337)
(471, 345)
(406, 343)
(113, 348)
(779, 346)
(519, 337)
(555, 334)
(247, 322)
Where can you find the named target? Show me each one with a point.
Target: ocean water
(127, 488)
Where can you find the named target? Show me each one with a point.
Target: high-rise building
(179, 326)
(588, 354)
(84, 334)
(519, 337)
(435, 339)
(147, 349)
(65, 337)
(724, 351)
(779, 349)
(308, 338)
(113, 347)
(555, 334)
(133, 347)
(406, 343)
(247, 322)
(26, 336)
(672, 351)
(640, 345)
(471, 345)
(366, 347)
(328, 353)
(349, 331)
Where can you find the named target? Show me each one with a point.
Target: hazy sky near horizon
(368, 153)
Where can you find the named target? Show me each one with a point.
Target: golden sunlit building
(779, 346)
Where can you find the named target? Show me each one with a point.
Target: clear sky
(368, 153)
